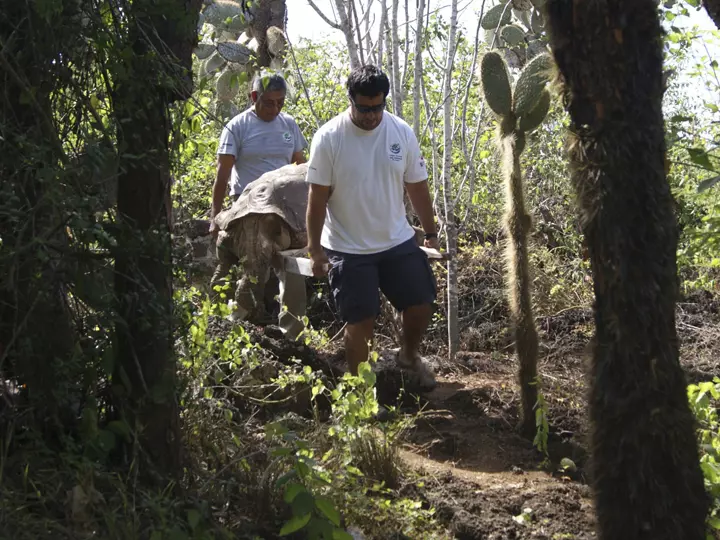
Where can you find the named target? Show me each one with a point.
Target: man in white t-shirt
(258, 140)
(360, 162)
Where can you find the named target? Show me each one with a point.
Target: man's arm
(315, 218)
(298, 157)
(225, 163)
(419, 194)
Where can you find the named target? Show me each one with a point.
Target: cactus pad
(203, 50)
(537, 22)
(531, 83)
(496, 83)
(237, 53)
(212, 64)
(512, 35)
(534, 118)
(227, 85)
(275, 41)
(226, 14)
(497, 15)
(522, 5)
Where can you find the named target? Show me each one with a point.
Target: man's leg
(357, 337)
(415, 320)
(407, 281)
(354, 284)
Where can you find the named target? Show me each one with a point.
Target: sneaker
(426, 378)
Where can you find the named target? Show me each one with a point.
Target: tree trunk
(143, 270)
(646, 475)
(36, 330)
(418, 73)
(397, 90)
(450, 225)
(267, 13)
(713, 10)
(343, 11)
(381, 33)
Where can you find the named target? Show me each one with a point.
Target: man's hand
(320, 262)
(432, 243)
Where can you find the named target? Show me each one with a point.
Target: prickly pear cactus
(496, 83)
(238, 38)
(517, 28)
(519, 112)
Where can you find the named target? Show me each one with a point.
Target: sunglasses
(365, 109)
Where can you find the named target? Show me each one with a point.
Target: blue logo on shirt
(395, 148)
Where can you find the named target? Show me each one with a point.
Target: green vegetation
(271, 439)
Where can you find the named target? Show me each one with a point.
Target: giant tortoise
(267, 217)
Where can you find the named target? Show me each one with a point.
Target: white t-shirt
(258, 146)
(366, 171)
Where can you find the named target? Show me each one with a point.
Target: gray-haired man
(258, 140)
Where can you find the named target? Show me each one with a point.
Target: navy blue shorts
(402, 273)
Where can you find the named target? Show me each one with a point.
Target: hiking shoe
(426, 378)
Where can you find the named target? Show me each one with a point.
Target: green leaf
(339, 534)
(121, 429)
(193, 518)
(700, 157)
(302, 504)
(285, 478)
(327, 507)
(707, 184)
(295, 524)
(293, 490)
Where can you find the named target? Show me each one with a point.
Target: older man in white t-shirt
(360, 162)
(258, 140)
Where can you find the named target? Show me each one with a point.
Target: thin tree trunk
(381, 33)
(397, 90)
(646, 476)
(346, 26)
(358, 30)
(418, 73)
(451, 227)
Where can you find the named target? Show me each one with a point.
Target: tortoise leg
(252, 249)
(226, 259)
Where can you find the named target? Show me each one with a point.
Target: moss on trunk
(647, 480)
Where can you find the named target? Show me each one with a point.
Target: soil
(465, 456)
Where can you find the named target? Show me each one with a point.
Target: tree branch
(324, 17)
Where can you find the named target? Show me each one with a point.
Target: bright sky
(304, 22)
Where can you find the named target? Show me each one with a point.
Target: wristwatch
(430, 235)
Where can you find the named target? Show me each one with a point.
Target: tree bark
(418, 73)
(450, 225)
(267, 13)
(36, 330)
(145, 372)
(347, 28)
(646, 476)
(713, 10)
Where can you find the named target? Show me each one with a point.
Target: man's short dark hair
(269, 82)
(368, 81)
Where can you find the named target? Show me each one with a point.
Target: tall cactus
(519, 111)
(240, 38)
